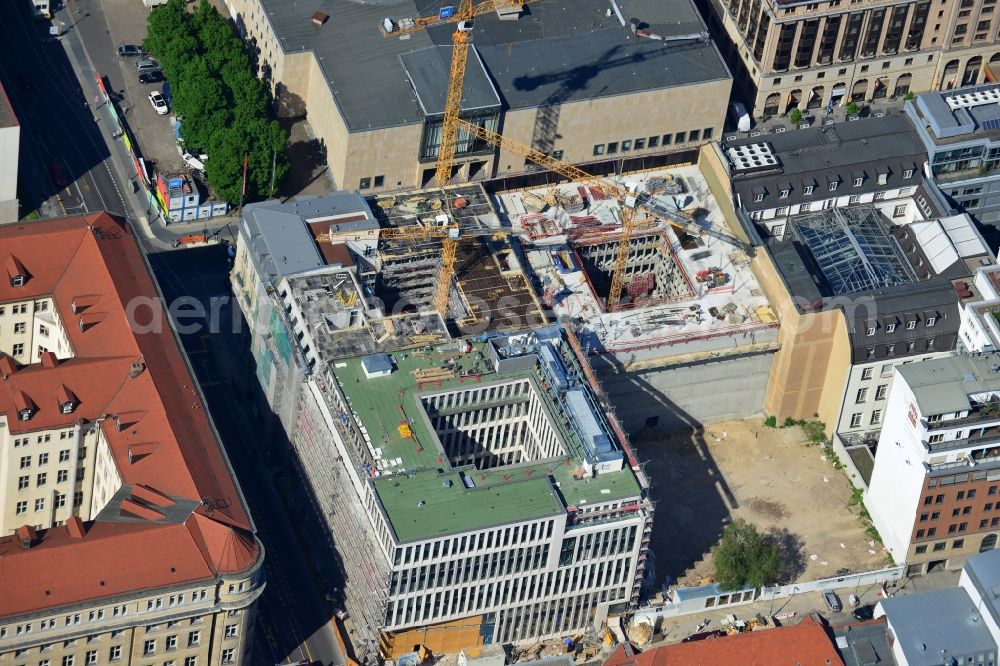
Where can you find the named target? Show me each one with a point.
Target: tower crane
(463, 16)
(627, 200)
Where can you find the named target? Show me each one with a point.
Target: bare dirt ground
(770, 477)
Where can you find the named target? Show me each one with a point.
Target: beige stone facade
(662, 120)
(809, 55)
(199, 624)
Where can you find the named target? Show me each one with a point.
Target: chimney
(49, 359)
(319, 18)
(136, 369)
(75, 527)
(26, 534)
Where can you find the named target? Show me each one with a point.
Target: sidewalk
(819, 116)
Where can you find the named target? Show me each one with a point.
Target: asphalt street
(294, 619)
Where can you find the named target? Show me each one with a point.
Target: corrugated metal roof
(943, 385)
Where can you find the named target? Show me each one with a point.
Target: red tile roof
(803, 644)
(155, 424)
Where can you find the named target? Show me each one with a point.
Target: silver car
(147, 65)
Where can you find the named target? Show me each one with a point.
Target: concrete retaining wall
(690, 394)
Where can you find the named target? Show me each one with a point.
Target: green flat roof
(421, 507)
(515, 493)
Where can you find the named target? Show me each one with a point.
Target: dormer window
(17, 281)
(908, 173)
(858, 181)
(785, 193)
(833, 186)
(912, 324)
(889, 328)
(871, 330)
(67, 407)
(931, 320)
(807, 190)
(758, 197)
(25, 414)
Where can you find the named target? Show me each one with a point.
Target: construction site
(682, 284)
(490, 290)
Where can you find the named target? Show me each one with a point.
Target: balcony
(983, 436)
(989, 411)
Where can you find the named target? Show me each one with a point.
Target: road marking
(62, 206)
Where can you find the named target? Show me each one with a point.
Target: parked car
(159, 104)
(863, 613)
(833, 601)
(155, 76)
(58, 176)
(147, 65)
(130, 51)
(197, 163)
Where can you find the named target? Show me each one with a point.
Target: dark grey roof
(566, 49)
(840, 152)
(929, 624)
(864, 645)
(428, 71)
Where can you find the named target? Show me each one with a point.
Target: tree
(224, 108)
(744, 558)
(796, 116)
(852, 109)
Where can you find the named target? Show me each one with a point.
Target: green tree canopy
(223, 106)
(744, 558)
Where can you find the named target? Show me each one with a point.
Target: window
(91, 657)
(963, 526)
(194, 638)
(758, 197)
(599, 149)
(935, 515)
(666, 139)
(231, 630)
(23, 482)
(171, 642)
(931, 320)
(932, 531)
(64, 456)
(626, 145)
(808, 189)
(190, 661)
(25, 462)
(908, 173)
(228, 656)
(912, 324)
(365, 184)
(654, 141)
(18, 349)
(866, 373)
(40, 479)
(876, 416)
(43, 329)
(640, 144)
(20, 327)
(890, 327)
(921, 534)
(871, 330)
(920, 550)
(115, 653)
(39, 504)
(862, 396)
(68, 660)
(855, 198)
(858, 181)
(680, 137)
(43, 459)
(880, 391)
(694, 135)
(923, 517)
(938, 547)
(785, 193)
(855, 420)
(22, 507)
(62, 475)
(971, 493)
(833, 186)
(379, 181)
(60, 500)
(149, 647)
(707, 133)
(612, 148)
